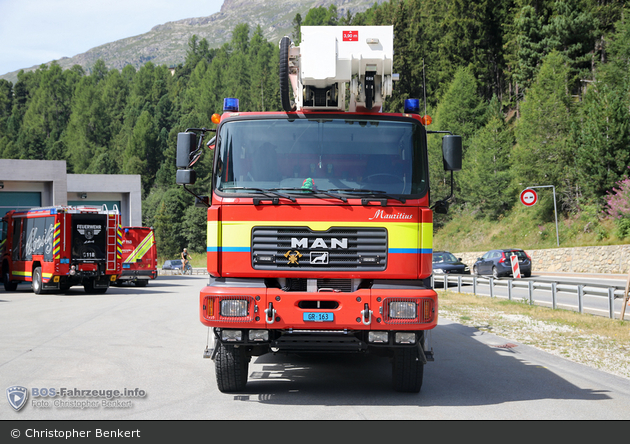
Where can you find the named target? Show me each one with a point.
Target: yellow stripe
(22, 273)
(426, 236)
(214, 234)
(141, 249)
(400, 234)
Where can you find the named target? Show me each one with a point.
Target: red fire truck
(139, 255)
(57, 247)
(319, 228)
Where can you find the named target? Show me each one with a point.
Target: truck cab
(319, 227)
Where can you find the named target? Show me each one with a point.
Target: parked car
(172, 264)
(497, 263)
(446, 263)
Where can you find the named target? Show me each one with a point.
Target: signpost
(529, 197)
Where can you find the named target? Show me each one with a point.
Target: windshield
(444, 258)
(335, 155)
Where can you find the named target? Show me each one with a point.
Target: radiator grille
(337, 249)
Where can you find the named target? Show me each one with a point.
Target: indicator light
(412, 106)
(230, 104)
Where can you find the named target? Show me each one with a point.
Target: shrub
(618, 207)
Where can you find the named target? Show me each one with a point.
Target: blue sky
(33, 32)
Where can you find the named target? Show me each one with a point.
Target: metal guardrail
(611, 292)
(180, 273)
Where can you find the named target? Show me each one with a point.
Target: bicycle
(187, 269)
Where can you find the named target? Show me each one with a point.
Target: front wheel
(475, 271)
(407, 370)
(495, 273)
(231, 367)
(37, 283)
(6, 277)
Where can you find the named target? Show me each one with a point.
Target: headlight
(231, 335)
(402, 310)
(466, 269)
(234, 307)
(258, 335)
(438, 271)
(405, 338)
(378, 336)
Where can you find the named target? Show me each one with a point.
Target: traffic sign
(529, 197)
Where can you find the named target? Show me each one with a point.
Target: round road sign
(529, 197)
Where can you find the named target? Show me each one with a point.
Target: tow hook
(366, 315)
(270, 314)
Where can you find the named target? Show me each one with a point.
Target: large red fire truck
(139, 256)
(319, 228)
(55, 248)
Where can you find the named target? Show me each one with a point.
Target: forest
(539, 91)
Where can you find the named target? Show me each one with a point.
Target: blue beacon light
(230, 104)
(412, 106)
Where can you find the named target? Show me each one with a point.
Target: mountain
(166, 44)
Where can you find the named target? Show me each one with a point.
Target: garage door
(19, 200)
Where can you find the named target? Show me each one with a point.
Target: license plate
(318, 317)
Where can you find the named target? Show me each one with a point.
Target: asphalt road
(150, 339)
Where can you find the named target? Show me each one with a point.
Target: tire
(91, 289)
(6, 277)
(495, 273)
(37, 283)
(141, 283)
(407, 370)
(285, 83)
(231, 366)
(475, 271)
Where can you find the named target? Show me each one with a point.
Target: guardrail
(611, 292)
(178, 272)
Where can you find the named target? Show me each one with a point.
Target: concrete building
(27, 184)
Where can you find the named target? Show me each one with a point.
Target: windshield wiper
(260, 190)
(375, 193)
(308, 190)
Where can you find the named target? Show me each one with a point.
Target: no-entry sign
(529, 197)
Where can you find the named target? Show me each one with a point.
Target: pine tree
(543, 154)
(486, 174)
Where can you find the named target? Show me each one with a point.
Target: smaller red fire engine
(57, 247)
(139, 255)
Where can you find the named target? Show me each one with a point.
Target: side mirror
(186, 144)
(441, 207)
(185, 177)
(202, 201)
(452, 152)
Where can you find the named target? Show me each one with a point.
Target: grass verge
(595, 341)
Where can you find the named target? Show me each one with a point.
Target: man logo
(319, 257)
(17, 396)
(319, 243)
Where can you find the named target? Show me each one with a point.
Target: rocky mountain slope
(166, 44)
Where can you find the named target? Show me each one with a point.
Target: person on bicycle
(185, 259)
